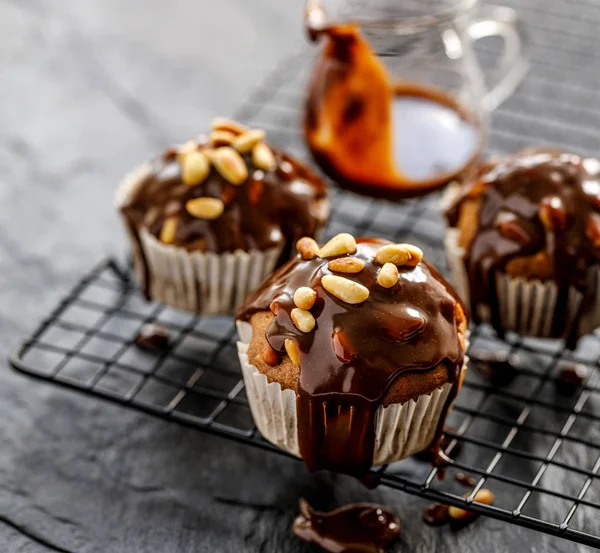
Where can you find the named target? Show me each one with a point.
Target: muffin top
(226, 191)
(344, 323)
(535, 214)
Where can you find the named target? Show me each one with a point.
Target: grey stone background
(87, 89)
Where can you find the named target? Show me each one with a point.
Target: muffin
(524, 244)
(209, 220)
(352, 353)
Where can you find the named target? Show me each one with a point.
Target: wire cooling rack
(537, 449)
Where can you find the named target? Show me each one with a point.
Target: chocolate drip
(356, 352)
(270, 209)
(539, 211)
(362, 135)
(356, 528)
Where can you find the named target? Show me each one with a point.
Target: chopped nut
(345, 289)
(187, 147)
(302, 319)
(346, 265)
(399, 254)
(195, 167)
(221, 138)
(246, 141)
(270, 356)
(552, 213)
(304, 297)
(224, 124)
(205, 208)
(263, 158)
(593, 229)
(168, 230)
(341, 244)
(230, 165)
(482, 496)
(307, 248)
(292, 351)
(388, 275)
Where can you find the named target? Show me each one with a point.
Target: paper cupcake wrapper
(526, 306)
(401, 430)
(205, 283)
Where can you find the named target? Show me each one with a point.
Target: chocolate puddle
(355, 528)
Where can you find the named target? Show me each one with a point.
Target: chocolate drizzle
(361, 126)
(271, 208)
(356, 528)
(350, 361)
(538, 218)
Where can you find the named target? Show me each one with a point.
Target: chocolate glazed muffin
(209, 220)
(353, 353)
(524, 244)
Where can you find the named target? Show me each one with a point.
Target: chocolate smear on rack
(153, 337)
(355, 528)
(499, 367)
(465, 479)
(537, 209)
(570, 378)
(356, 352)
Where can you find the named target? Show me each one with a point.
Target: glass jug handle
(510, 69)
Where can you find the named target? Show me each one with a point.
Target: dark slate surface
(87, 89)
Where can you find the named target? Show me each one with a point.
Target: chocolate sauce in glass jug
(378, 136)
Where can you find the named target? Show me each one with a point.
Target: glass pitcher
(398, 104)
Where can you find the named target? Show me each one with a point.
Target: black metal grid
(520, 439)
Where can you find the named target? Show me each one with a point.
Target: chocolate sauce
(431, 454)
(499, 367)
(436, 514)
(270, 209)
(356, 352)
(542, 207)
(356, 528)
(570, 378)
(379, 137)
(154, 337)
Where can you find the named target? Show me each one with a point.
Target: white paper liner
(526, 306)
(401, 430)
(205, 283)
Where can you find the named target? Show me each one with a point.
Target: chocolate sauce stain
(153, 337)
(354, 528)
(570, 378)
(465, 480)
(436, 514)
(499, 367)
